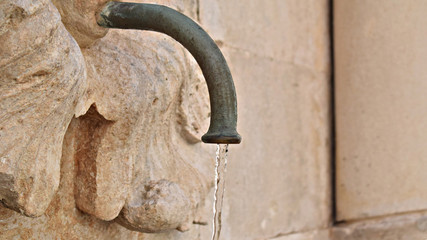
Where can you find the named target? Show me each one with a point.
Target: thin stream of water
(220, 171)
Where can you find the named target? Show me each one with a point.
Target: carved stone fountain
(122, 110)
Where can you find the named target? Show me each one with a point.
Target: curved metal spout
(162, 19)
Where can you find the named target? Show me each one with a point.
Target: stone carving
(158, 206)
(138, 83)
(80, 19)
(140, 105)
(42, 76)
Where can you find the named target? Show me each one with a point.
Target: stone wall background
(278, 179)
(381, 108)
(279, 182)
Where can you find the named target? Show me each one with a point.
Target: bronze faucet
(220, 84)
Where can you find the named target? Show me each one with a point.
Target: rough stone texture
(142, 113)
(278, 177)
(381, 107)
(158, 206)
(312, 235)
(79, 17)
(410, 226)
(143, 85)
(42, 74)
(293, 31)
(63, 220)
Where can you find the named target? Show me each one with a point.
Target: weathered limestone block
(42, 75)
(278, 52)
(408, 226)
(279, 59)
(381, 107)
(310, 235)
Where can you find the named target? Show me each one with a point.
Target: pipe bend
(220, 83)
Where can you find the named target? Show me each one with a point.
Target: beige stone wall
(100, 130)
(405, 226)
(381, 107)
(278, 180)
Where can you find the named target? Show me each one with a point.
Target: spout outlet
(220, 84)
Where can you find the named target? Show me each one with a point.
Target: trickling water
(220, 171)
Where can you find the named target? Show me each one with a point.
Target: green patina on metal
(162, 19)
